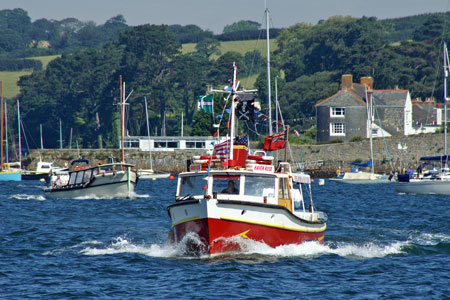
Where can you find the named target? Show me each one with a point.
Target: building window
(337, 112)
(337, 129)
(195, 145)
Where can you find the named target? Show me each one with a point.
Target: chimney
(367, 81)
(347, 81)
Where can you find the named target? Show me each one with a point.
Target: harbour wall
(332, 156)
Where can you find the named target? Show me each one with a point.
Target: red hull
(213, 234)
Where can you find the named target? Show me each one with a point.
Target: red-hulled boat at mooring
(231, 196)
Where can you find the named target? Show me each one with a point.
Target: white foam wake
(249, 247)
(27, 197)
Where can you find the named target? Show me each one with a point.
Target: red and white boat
(231, 196)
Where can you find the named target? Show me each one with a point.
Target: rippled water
(378, 245)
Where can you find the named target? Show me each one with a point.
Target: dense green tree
(241, 26)
(207, 47)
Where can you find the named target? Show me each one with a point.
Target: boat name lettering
(263, 168)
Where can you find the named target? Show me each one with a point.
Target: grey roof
(390, 97)
(349, 97)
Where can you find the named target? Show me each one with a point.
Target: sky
(214, 15)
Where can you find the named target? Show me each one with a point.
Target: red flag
(275, 142)
(215, 133)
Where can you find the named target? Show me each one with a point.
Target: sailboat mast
(446, 69)
(121, 120)
(268, 71)
(20, 139)
(370, 119)
(42, 142)
(1, 121)
(60, 134)
(148, 133)
(6, 132)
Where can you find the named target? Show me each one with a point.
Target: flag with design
(222, 149)
(207, 103)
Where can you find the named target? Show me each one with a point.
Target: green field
(10, 79)
(45, 59)
(238, 46)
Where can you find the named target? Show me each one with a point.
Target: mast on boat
(6, 132)
(369, 100)
(20, 140)
(148, 133)
(446, 70)
(268, 71)
(1, 121)
(121, 120)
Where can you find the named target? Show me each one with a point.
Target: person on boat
(230, 188)
(57, 183)
(410, 172)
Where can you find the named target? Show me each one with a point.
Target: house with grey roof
(344, 114)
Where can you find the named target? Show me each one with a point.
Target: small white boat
(115, 180)
(151, 174)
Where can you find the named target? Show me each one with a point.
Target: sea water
(378, 245)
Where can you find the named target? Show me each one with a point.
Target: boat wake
(27, 197)
(131, 196)
(250, 248)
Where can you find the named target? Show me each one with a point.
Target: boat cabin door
(284, 196)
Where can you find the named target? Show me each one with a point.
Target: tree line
(80, 88)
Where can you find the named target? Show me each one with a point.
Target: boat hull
(35, 176)
(111, 185)
(10, 176)
(362, 178)
(156, 176)
(424, 187)
(221, 225)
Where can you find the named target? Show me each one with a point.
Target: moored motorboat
(112, 180)
(43, 171)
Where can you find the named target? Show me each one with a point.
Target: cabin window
(337, 112)
(87, 176)
(72, 178)
(259, 186)
(226, 184)
(283, 189)
(337, 129)
(79, 177)
(45, 167)
(194, 185)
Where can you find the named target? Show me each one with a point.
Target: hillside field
(237, 46)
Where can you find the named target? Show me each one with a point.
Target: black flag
(245, 110)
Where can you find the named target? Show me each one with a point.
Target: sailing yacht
(6, 172)
(150, 173)
(434, 179)
(357, 175)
